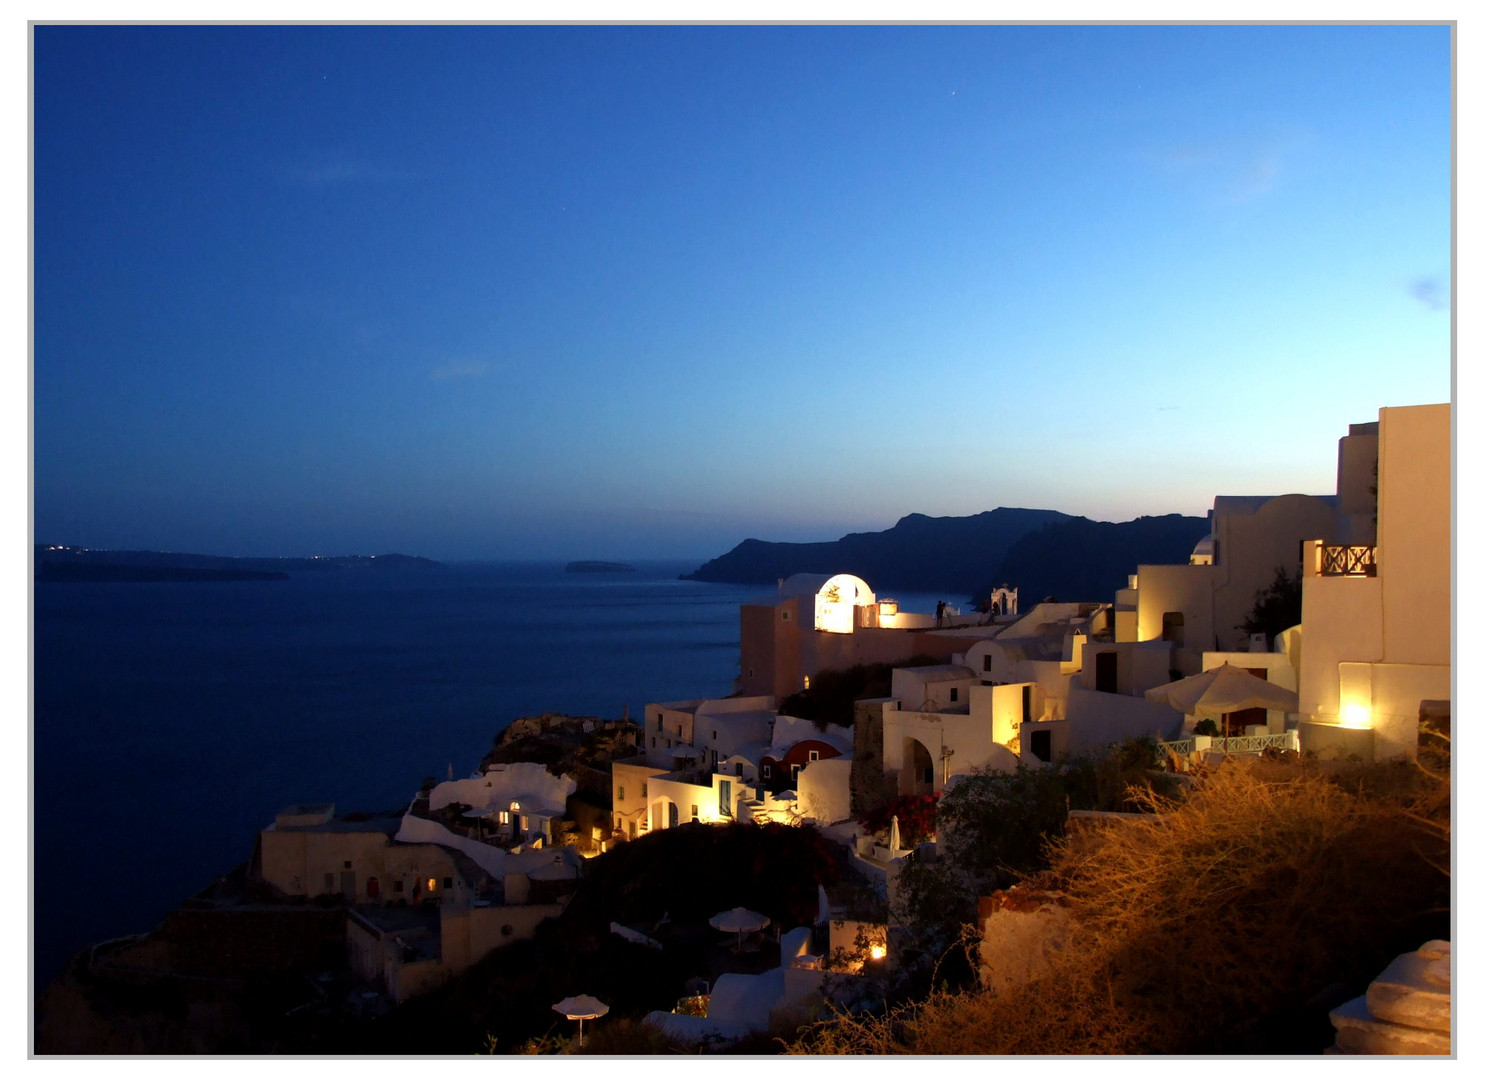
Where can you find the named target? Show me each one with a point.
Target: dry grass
(1211, 929)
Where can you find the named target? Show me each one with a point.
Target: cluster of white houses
(1372, 651)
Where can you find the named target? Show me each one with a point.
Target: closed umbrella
(580, 1008)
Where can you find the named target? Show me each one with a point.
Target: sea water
(172, 721)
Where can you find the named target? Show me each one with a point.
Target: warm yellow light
(515, 806)
(878, 951)
(1356, 715)
(432, 884)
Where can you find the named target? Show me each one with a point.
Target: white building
(1377, 642)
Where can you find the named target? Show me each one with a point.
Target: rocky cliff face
(1041, 552)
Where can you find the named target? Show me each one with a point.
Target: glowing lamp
(878, 952)
(1356, 715)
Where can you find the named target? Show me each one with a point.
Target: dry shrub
(624, 1036)
(1211, 928)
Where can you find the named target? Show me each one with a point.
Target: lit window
(806, 682)
(432, 884)
(505, 817)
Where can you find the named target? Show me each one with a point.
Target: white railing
(1236, 744)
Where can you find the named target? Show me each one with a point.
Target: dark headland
(1042, 552)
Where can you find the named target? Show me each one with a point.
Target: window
(987, 662)
(644, 791)
(397, 885)
(654, 742)
(621, 792)
(784, 615)
(750, 673)
(737, 766)
(448, 883)
(953, 693)
(806, 682)
(814, 755)
(794, 772)
(373, 888)
(767, 775)
(695, 812)
(348, 864)
(1173, 628)
(505, 817)
(432, 884)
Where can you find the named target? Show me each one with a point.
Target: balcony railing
(1348, 560)
(1236, 744)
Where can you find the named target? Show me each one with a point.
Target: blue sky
(630, 291)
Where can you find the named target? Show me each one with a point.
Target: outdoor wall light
(1356, 715)
(878, 952)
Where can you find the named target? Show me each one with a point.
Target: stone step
(1436, 950)
(1357, 1031)
(1408, 993)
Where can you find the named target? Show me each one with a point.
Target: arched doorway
(664, 814)
(916, 775)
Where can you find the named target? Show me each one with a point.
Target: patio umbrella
(580, 1008)
(739, 919)
(478, 813)
(896, 836)
(1221, 690)
(1224, 689)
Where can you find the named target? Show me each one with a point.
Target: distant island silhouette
(64, 563)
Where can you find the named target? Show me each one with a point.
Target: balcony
(1347, 560)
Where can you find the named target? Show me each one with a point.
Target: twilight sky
(621, 292)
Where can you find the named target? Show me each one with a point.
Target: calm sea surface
(173, 720)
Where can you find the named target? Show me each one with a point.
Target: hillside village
(397, 909)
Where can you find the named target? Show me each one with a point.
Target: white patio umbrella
(1224, 689)
(895, 840)
(580, 1008)
(739, 919)
(478, 813)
